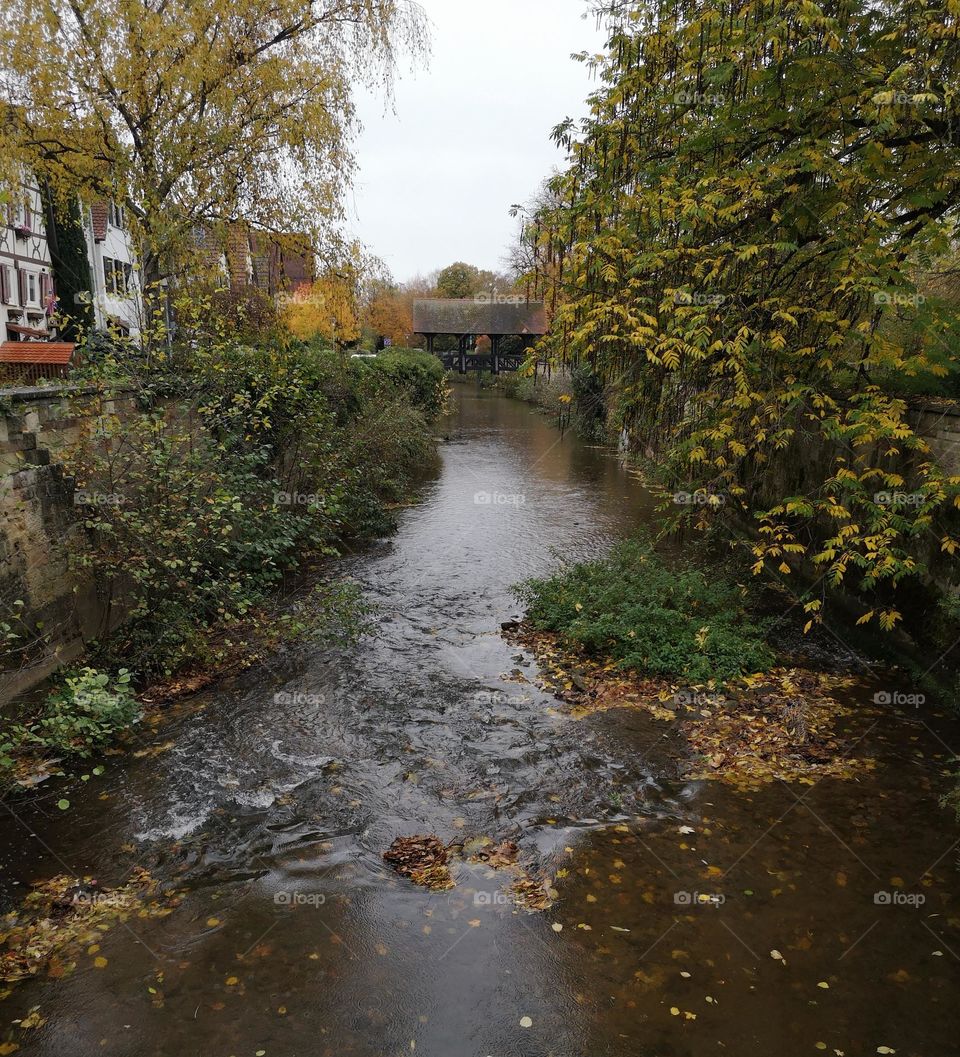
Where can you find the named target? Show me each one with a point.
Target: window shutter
(4, 279)
(22, 276)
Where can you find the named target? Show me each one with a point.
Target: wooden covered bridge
(468, 319)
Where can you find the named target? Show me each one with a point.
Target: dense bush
(86, 710)
(676, 621)
(197, 510)
(417, 373)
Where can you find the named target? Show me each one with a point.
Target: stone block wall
(60, 610)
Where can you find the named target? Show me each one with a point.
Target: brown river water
(271, 814)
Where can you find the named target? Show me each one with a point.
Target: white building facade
(117, 294)
(27, 297)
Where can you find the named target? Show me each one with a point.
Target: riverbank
(207, 517)
(687, 643)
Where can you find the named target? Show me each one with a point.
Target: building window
(116, 276)
(8, 285)
(116, 216)
(33, 290)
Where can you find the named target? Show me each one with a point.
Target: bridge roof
(448, 315)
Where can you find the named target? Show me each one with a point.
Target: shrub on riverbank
(417, 373)
(675, 621)
(207, 503)
(86, 710)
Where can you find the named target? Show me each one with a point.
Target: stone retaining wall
(37, 523)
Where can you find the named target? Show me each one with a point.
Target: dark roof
(36, 352)
(467, 316)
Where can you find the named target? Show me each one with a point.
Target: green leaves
(677, 621)
(780, 181)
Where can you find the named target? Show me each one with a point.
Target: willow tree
(197, 113)
(757, 190)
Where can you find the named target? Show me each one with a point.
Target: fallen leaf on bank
(526, 1022)
(777, 956)
(774, 726)
(60, 917)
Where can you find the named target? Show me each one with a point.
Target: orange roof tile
(98, 215)
(59, 352)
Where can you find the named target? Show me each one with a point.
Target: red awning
(58, 352)
(30, 332)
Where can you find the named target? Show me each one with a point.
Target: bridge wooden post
(462, 345)
(495, 352)
(430, 338)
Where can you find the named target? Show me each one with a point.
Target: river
(278, 791)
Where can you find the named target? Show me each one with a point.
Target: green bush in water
(88, 709)
(676, 621)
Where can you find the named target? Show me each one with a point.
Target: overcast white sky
(471, 133)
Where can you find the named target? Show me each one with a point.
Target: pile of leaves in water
(63, 916)
(425, 860)
(765, 726)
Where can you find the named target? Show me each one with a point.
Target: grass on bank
(677, 621)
